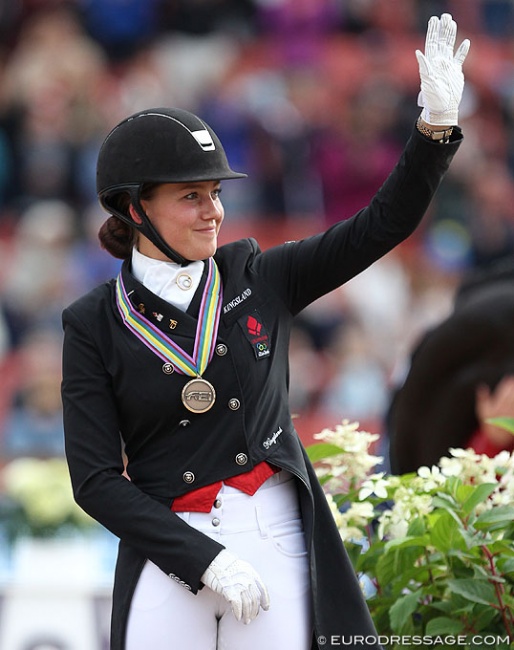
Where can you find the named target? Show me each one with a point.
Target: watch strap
(442, 137)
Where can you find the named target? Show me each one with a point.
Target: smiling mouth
(207, 231)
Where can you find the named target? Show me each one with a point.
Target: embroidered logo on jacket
(237, 300)
(272, 440)
(256, 333)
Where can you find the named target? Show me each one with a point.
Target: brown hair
(116, 236)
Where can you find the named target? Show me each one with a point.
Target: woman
(182, 363)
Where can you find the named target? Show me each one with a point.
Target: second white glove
(442, 80)
(239, 583)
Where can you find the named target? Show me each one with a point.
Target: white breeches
(264, 529)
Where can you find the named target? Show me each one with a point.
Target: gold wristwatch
(443, 137)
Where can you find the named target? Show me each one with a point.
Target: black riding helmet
(157, 145)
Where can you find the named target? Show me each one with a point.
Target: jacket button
(234, 404)
(188, 477)
(221, 349)
(216, 521)
(184, 423)
(241, 459)
(217, 503)
(168, 369)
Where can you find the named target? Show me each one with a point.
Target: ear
(134, 215)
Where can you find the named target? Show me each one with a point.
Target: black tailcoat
(114, 389)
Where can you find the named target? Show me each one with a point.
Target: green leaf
(453, 484)
(495, 518)
(354, 552)
(479, 494)
(459, 568)
(402, 610)
(463, 492)
(393, 566)
(447, 504)
(501, 547)
(442, 625)
(367, 561)
(473, 589)
(504, 423)
(444, 501)
(446, 534)
(484, 616)
(444, 606)
(321, 450)
(405, 542)
(506, 566)
(417, 527)
(379, 608)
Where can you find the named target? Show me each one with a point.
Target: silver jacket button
(216, 521)
(188, 477)
(221, 349)
(184, 423)
(217, 503)
(241, 459)
(234, 404)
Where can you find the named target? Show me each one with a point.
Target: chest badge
(256, 333)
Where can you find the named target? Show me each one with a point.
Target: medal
(198, 395)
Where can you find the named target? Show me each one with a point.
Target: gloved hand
(442, 81)
(239, 583)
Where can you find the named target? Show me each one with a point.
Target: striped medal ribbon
(198, 395)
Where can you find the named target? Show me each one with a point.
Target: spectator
(33, 426)
(48, 88)
(38, 280)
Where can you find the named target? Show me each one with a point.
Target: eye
(216, 193)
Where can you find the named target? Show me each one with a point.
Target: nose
(212, 209)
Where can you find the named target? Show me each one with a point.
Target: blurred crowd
(314, 99)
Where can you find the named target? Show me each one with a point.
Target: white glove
(442, 81)
(239, 583)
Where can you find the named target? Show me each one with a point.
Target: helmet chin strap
(151, 233)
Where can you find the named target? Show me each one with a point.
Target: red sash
(201, 499)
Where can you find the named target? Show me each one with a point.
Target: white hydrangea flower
(411, 496)
(408, 505)
(451, 466)
(504, 459)
(334, 509)
(43, 488)
(392, 524)
(352, 521)
(354, 463)
(432, 478)
(375, 484)
(359, 513)
(469, 466)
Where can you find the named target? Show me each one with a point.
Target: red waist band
(201, 499)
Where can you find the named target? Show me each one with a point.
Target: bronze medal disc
(198, 395)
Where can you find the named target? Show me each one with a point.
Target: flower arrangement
(37, 499)
(434, 549)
